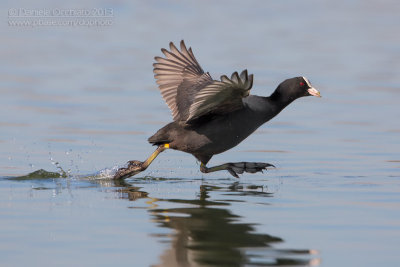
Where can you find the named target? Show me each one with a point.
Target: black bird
(212, 116)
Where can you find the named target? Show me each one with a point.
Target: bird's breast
(225, 132)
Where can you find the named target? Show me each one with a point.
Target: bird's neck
(264, 108)
(279, 100)
(274, 104)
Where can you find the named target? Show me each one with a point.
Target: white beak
(314, 92)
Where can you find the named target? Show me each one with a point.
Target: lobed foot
(236, 168)
(134, 167)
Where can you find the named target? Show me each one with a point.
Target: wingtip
(250, 81)
(164, 51)
(244, 75)
(224, 78)
(235, 77)
(182, 43)
(184, 50)
(157, 59)
(172, 47)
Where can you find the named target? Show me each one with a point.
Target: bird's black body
(219, 133)
(212, 116)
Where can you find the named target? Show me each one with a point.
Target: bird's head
(294, 88)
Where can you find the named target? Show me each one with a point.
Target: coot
(212, 116)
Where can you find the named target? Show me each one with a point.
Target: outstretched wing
(179, 77)
(221, 97)
(191, 93)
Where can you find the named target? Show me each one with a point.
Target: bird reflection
(208, 233)
(128, 191)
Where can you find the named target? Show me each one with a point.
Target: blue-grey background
(84, 99)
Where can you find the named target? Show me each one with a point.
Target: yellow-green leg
(135, 166)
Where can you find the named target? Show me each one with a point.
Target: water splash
(107, 173)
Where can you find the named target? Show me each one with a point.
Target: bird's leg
(236, 168)
(135, 166)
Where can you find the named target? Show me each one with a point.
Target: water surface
(83, 100)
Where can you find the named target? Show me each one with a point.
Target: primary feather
(191, 93)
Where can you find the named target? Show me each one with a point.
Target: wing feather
(221, 97)
(172, 70)
(190, 93)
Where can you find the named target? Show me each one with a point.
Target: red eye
(301, 83)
